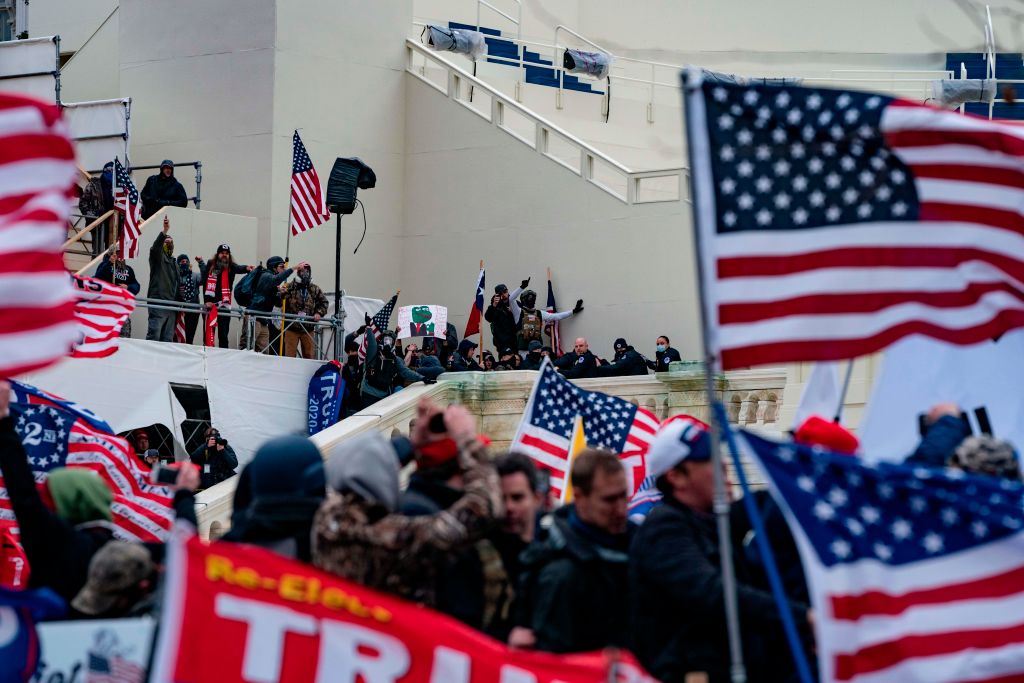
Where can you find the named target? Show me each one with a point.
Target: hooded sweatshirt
(80, 495)
(160, 192)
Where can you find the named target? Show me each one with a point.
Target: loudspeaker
(346, 176)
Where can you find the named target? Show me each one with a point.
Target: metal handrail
(87, 229)
(543, 130)
(93, 35)
(518, 21)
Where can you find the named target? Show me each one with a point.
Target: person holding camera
(503, 315)
(216, 459)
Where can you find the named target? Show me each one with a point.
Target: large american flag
(915, 573)
(833, 223)
(126, 200)
(58, 433)
(309, 208)
(378, 323)
(101, 312)
(609, 422)
(37, 174)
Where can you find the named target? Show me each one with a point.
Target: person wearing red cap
(675, 581)
(826, 434)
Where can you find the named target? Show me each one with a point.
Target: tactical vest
(381, 375)
(531, 325)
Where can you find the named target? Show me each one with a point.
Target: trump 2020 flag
(914, 573)
(833, 223)
(326, 389)
(550, 420)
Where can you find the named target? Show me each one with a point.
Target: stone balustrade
(498, 400)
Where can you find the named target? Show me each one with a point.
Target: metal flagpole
(703, 217)
(288, 221)
(481, 353)
(842, 395)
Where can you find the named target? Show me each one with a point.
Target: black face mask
(352, 360)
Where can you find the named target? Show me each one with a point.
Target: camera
(164, 475)
(221, 441)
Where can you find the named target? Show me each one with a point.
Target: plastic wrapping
(471, 43)
(952, 94)
(595, 64)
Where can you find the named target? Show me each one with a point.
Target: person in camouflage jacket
(357, 533)
(305, 299)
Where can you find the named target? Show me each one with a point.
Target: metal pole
(199, 184)
(337, 288)
(694, 119)
(56, 71)
(288, 222)
(842, 395)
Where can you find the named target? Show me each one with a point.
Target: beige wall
(93, 73)
(73, 20)
(473, 192)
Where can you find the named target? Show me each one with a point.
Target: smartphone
(436, 424)
(164, 475)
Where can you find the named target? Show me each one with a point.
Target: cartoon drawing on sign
(421, 324)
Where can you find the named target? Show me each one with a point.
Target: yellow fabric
(576, 444)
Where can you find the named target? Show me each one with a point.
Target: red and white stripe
(308, 208)
(838, 292)
(101, 311)
(37, 174)
(129, 203)
(949, 620)
(179, 328)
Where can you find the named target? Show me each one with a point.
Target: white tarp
(106, 122)
(356, 308)
(917, 373)
(253, 397)
(30, 56)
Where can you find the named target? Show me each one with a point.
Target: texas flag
(477, 311)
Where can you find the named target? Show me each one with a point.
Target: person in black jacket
(189, 284)
(580, 362)
(115, 271)
(627, 361)
(462, 360)
(215, 458)
(533, 357)
(266, 294)
(572, 594)
(218, 282)
(161, 190)
(352, 373)
(504, 322)
(163, 285)
(943, 429)
(663, 355)
(59, 544)
(675, 583)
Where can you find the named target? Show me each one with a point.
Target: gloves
(525, 283)
(579, 306)
(367, 318)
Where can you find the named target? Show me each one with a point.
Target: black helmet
(529, 298)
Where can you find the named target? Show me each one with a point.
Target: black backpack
(246, 287)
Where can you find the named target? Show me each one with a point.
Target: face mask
(184, 268)
(305, 277)
(660, 348)
(387, 343)
(168, 248)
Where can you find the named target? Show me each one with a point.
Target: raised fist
(579, 306)
(525, 283)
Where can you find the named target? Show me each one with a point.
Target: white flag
(822, 393)
(917, 373)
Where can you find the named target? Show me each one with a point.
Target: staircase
(1009, 71)
(538, 70)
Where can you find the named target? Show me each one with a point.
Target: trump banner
(326, 389)
(422, 321)
(241, 613)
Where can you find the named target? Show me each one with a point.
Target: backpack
(246, 288)
(91, 202)
(381, 375)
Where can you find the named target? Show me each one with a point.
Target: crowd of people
(480, 536)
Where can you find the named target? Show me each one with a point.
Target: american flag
(210, 326)
(609, 422)
(379, 322)
(113, 668)
(647, 495)
(833, 223)
(37, 173)
(477, 310)
(308, 204)
(179, 328)
(914, 573)
(556, 337)
(101, 312)
(126, 200)
(58, 433)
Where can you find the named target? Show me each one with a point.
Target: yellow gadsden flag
(577, 444)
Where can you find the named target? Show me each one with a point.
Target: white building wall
(474, 192)
(94, 72)
(73, 20)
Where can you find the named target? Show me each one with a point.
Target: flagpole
(695, 118)
(842, 395)
(480, 354)
(288, 220)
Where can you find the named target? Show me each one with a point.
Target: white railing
(546, 138)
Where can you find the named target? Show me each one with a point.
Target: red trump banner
(240, 613)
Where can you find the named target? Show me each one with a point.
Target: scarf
(186, 285)
(225, 288)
